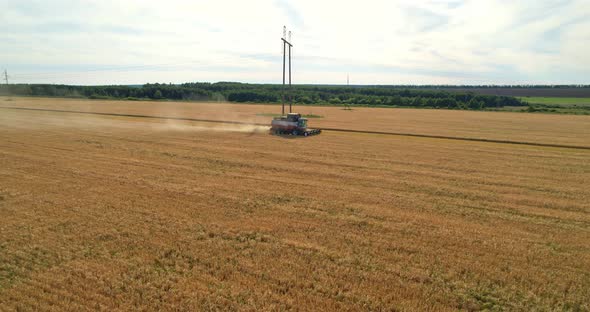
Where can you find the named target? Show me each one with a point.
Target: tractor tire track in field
(430, 136)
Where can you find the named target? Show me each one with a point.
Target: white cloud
(471, 41)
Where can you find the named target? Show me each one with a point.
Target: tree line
(268, 93)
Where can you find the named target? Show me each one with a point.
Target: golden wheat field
(122, 213)
(540, 128)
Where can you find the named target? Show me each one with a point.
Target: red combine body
(292, 124)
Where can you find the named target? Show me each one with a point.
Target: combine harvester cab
(292, 124)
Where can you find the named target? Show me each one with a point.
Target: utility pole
(6, 76)
(285, 44)
(290, 90)
(347, 80)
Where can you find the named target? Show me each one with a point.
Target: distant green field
(561, 101)
(560, 105)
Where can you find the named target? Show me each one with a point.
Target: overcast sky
(375, 42)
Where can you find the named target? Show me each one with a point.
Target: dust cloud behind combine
(222, 113)
(23, 119)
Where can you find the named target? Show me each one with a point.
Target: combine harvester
(292, 123)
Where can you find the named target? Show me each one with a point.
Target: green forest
(267, 93)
